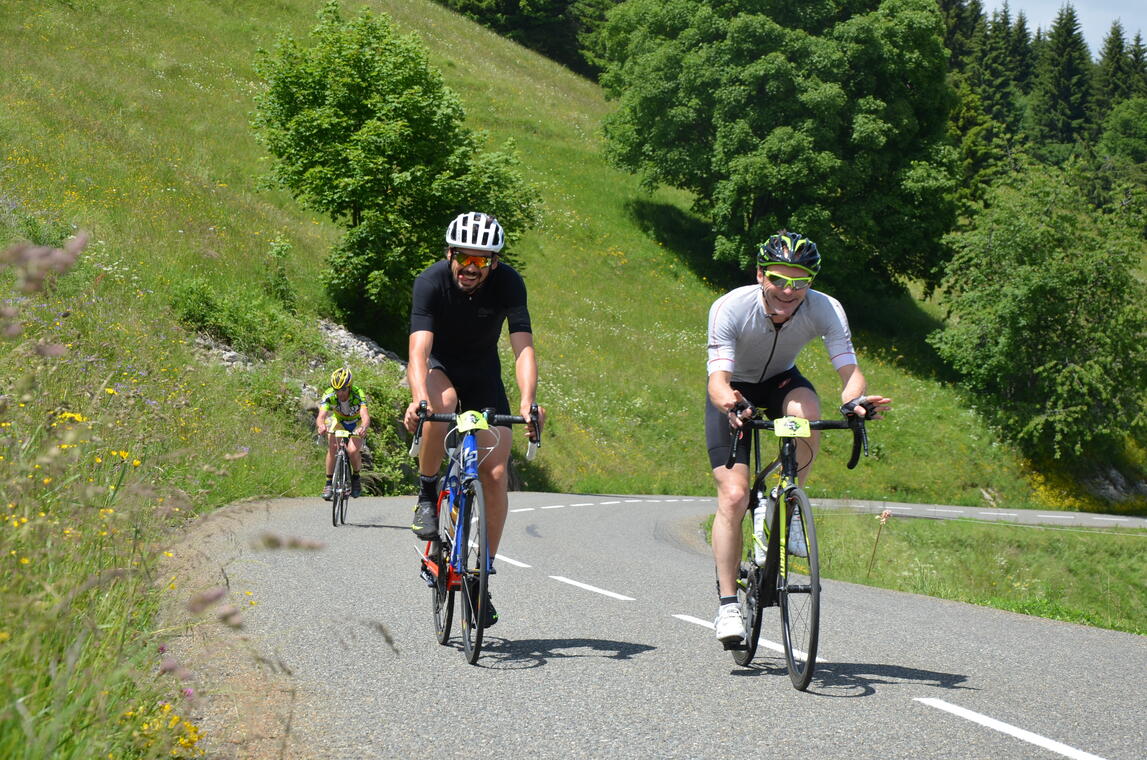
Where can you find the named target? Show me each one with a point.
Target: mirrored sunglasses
(465, 260)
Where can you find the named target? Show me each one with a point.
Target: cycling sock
(429, 485)
(329, 478)
(728, 599)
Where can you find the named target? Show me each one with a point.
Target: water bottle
(760, 542)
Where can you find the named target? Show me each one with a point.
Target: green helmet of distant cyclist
(341, 378)
(791, 249)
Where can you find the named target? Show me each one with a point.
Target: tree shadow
(521, 654)
(688, 238)
(854, 679)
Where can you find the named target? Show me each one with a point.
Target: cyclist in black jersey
(459, 306)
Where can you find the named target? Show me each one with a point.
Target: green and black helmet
(789, 248)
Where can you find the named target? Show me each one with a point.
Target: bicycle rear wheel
(798, 590)
(441, 594)
(475, 569)
(749, 599)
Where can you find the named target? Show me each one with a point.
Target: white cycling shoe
(729, 625)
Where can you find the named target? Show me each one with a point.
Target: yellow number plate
(468, 421)
(791, 427)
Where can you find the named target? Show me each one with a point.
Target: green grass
(131, 120)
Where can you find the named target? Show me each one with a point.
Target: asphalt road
(605, 649)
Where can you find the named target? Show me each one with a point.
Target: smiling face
(783, 294)
(470, 267)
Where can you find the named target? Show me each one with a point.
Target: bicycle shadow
(350, 524)
(521, 654)
(855, 679)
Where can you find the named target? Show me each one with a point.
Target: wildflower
(135, 463)
(883, 516)
(111, 391)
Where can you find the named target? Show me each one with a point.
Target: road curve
(605, 650)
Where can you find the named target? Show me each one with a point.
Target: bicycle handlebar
(491, 418)
(850, 422)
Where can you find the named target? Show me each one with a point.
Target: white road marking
(949, 511)
(761, 641)
(609, 502)
(583, 504)
(514, 562)
(631, 501)
(555, 506)
(1019, 733)
(523, 509)
(595, 589)
(1113, 519)
(1058, 517)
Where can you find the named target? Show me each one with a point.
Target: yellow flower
(4, 636)
(111, 391)
(135, 463)
(25, 561)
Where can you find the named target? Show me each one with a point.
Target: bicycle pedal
(425, 574)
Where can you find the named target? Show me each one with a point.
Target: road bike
(341, 478)
(783, 567)
(458, 558)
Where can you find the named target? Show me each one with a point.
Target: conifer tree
(1062, 94)
(1137, 56)
(1113, 75)
(1020, 51)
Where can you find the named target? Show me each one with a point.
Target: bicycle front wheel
(340, 487)
(798, 589)
(475, 570)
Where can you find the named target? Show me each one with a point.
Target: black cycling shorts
(478, 387)
(769, 399)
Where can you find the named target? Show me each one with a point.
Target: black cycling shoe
(355, 487)
(485, 607)
(489, 614)
(425, 524)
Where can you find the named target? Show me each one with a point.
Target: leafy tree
(1125, 131)
(1047, 323)
(821, 116)
(1061, 96)
(1113, 75)
(363, 130)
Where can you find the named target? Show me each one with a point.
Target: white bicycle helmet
(475, 230)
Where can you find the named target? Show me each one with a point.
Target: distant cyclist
(755, 334)
(459, 307)
(343, 404)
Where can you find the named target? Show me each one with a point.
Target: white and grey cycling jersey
(744, 341)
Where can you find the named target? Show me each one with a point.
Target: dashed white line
(554, 506)
(609, 502)
(1113, 519)
(523, 509)
(583, 504)
(507, 560)
(595, 589)
(948, 511)
(1019, 733)
(1059, 517)
(633, 501)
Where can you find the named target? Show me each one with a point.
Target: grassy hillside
(130, 120)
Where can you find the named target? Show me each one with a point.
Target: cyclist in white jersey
(755, 334)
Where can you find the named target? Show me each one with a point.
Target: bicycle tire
(749, 599)
(475, 571)
(442, 596)
(798, 591)
(339, 489)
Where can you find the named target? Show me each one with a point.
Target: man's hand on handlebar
(869, 407)
(738, 410)
(410, 418)
(526, 410)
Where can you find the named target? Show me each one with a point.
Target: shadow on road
(855, 679)
(504, 654)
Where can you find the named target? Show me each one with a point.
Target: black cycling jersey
(466, 327)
